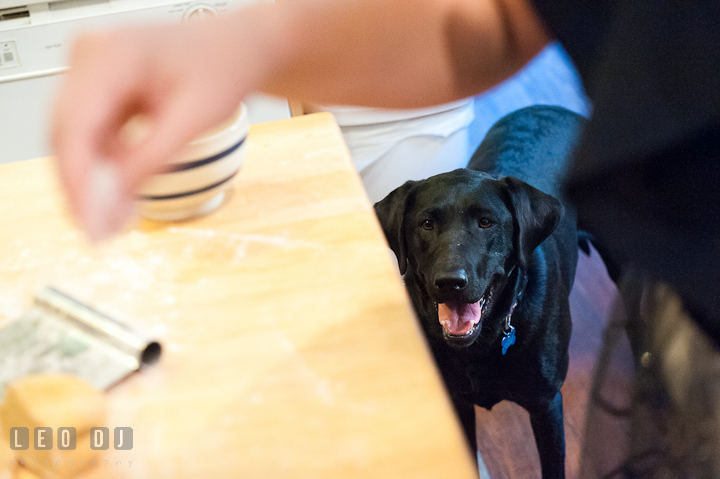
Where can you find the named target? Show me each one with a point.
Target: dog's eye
(485, 223)
(427, 225)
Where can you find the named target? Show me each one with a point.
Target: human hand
(181, 79)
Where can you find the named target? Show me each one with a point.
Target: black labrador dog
(489, 262)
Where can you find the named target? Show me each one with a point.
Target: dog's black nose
(448, 281)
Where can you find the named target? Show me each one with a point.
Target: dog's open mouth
(460, 320)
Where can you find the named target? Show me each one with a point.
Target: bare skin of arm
(388, 53)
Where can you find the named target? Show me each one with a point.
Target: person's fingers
(112, 183)
(182, 118)
(85, 116)
(104, 202)
(99, 168)
(118, 77)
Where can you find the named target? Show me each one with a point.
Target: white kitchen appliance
(35, 40)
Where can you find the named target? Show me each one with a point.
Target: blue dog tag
(508, 340)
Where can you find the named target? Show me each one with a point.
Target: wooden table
(290, 347)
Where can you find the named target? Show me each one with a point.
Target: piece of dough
(54, 401)
(7, 458)
(22, 473)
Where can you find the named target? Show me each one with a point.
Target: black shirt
(646, 175)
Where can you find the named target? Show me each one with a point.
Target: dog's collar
(509, 330)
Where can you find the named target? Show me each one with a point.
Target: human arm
(401, 53)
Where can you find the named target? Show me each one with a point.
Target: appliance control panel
(8, 55)
(199, 12)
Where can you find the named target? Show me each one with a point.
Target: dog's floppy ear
(535, 214)
(391, 213)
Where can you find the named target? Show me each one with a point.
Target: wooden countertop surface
(290, 347)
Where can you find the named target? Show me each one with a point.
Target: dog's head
(460, 234)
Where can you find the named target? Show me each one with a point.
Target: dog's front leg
(457, 386)
(466, 414)
(547, 425)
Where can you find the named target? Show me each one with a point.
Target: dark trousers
(654, 410)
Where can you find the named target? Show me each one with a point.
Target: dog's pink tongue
(459, 318)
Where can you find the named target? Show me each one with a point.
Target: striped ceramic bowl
(197, 179)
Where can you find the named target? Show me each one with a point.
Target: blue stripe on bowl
(197, 163)
(187, 193)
